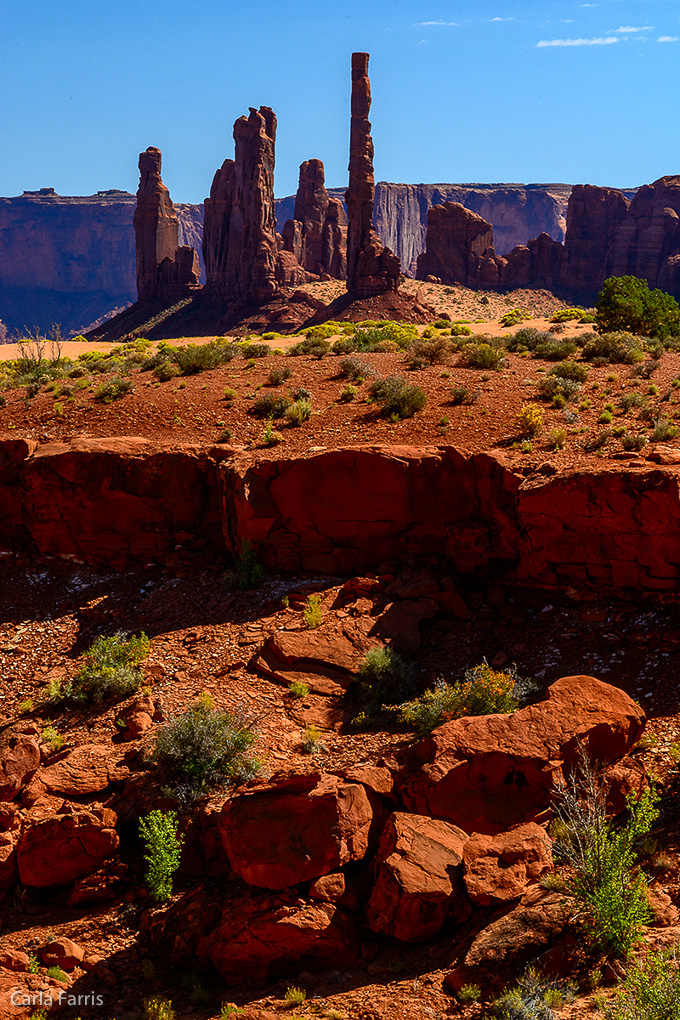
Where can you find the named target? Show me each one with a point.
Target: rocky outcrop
(594, 216)
(417, 884)
(499, 868)
(456, 239)
(62, 847)
(489, 773)
(71, 260)
(371, 268)
(242, 260)
(297, 830)
(165, 271)
(647, 242)
(317, 234)
(18, 761)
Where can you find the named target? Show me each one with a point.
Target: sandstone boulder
(89, 768)
(417, 882)
(488, 773)
(257, 936)
(501, 950)
(23, 995)
(62, 952)
(60, 848)
(296, 830)
(499, 868)
(18, 761)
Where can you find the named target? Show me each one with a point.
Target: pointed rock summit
(317, 234)
(371, 268)
(164, 268)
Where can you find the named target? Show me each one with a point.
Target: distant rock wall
(71, 260)
(124, 502)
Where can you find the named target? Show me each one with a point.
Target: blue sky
(463, 90)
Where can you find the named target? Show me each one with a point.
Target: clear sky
(463, 90)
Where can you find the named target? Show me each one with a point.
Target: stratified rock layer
(164, 270)
(371, 268)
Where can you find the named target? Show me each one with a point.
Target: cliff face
(71, 260)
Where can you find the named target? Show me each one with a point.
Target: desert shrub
(249, 572)
(298, 689)
(532, 998)
(312, 612)
(557, 438)
(271, 405)
(552, 387)
(459, 329)
(556, 350)
(463, 395)
(481, 356)
(606, 883)
(384, 678)
(567, 315)
(295, 996)
(614, 348)
(52, 737)
(197, 358)
(165, 370)
(163, 848)
(57, 974)
(298, 412)
(627, 303)
(113, 389)
(326, 329)
(664, 429)
(633, 441)
(483, 691)
(347, 393)
(314, 345)
(278, 376)
(469, 993)
(570, 370)
(310, 740)
(527, 339)
(203, 749)
(514, 317)
(397, 398)
(159, 1009)
(110, 670)
(529, 420)
(230, 395)
(270, 437)
(355, 369)
(650, 990)
(256, 350)
(629, 401)
(442, 323)
(377, 337)
(428, 352)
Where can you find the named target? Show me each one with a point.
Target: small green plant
(225, 436)
(229, 1009)
(469, 993)
(53, 738)
(650, 990)
(312, 613)
(298, 412)
(270, 437)
(463, 395)
(384, 679)
(514, 317)
(278, 376)
(249, 572)
(33, 964)
(116, 387)
(230, 395)
(397, 398)
(664, 429)
(606, 882)
(311, 740)
(298, 689)
(163, 847)
(557, 438)
(295, 996)
(25, 707)
(633, 441)
(529, 420)
(483, 691)
(204, 749)
(159, 1009)
(57, 974)
(605, 418)
(482, 356)
(110, 670)
(347, 393)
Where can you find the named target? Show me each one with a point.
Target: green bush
(606, 883)
(312, 612)
(568, 315)
(633, 441)
(384, 678)
(650, 990)
(256, 350)
(57, 974)
(314, 345)
(613, 348)
(163, 847)
(481, 356)
(664, 430)
(514, 317)
(570, 370)
(249, 572)
(356, 370)
(298, 412)
(428, 352)
(397, 398)
(458, 329)
(204, 749)
(627, 303)
(115, 388)
(532, 998)
(277, 376)
(271, 405)
(463, 395)
(110, 670)
(484, 691)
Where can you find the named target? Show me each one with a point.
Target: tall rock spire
(164, 269)
(371, 268)
(317, 234)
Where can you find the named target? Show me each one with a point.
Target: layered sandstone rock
(499, 868)
(18, 761)
(317, 234)
(456, 238)
(297, 830)
(417, 881)
(594, 216)
(647, 242)
(165, 270)
(239, 239)
(488, 773)
(371, 268)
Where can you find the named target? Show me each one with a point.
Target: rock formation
(594, 216)
(456, 238)
(317, 234)
(647, 242)
(371, 268)
(242, 261)
(164, 269)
